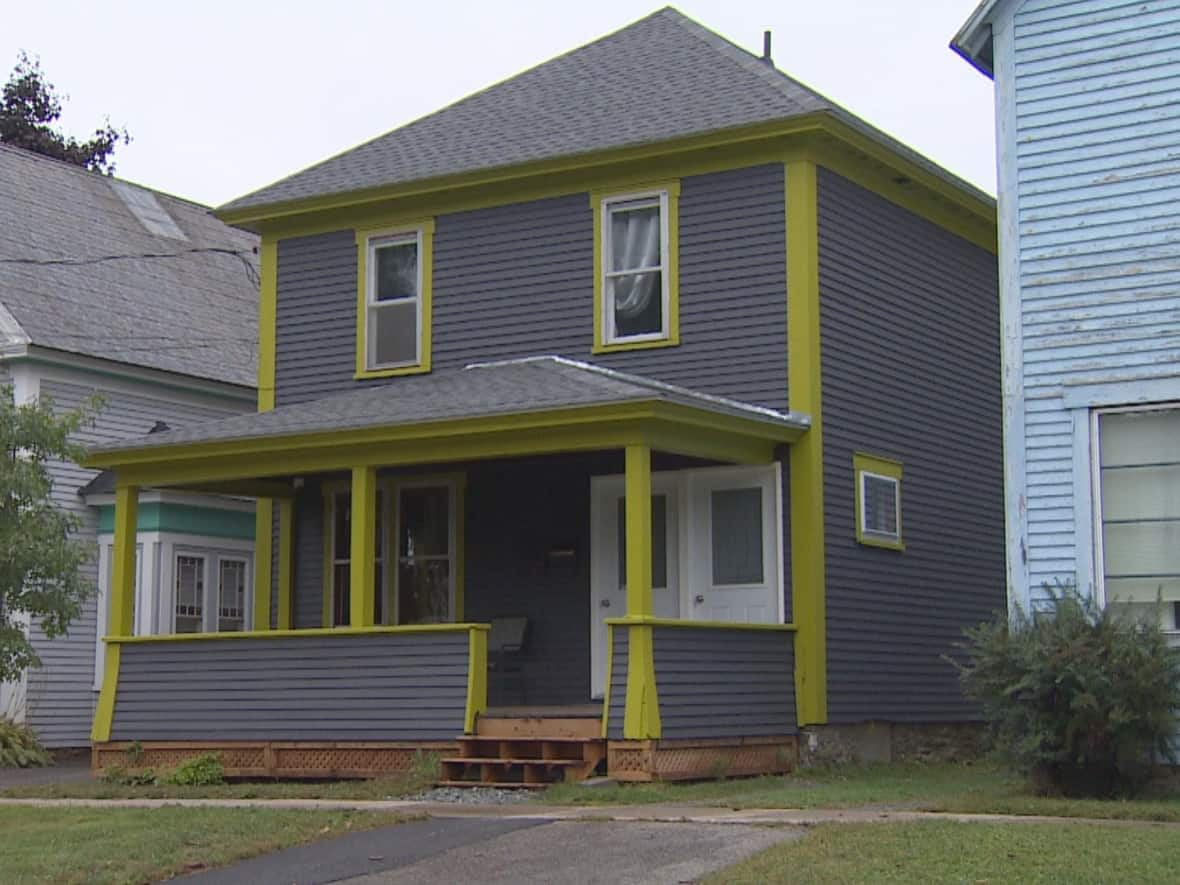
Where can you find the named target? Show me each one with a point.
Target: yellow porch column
(120, 605)
(363, 548)
(642, 717)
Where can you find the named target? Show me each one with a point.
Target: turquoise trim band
(184, 519)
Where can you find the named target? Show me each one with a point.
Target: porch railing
(414, 683)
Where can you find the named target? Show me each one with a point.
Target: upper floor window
(636, 297)
(878, 501)
(393, 310)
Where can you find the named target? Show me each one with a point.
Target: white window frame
(865, 529)
(1096, 494)
(373, 242)
(659, 198)
(234, 557)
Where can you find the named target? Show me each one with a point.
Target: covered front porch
(401, 536)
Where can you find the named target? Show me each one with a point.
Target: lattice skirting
(701, 759)
(290, 759)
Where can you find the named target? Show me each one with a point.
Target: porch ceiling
(531, 406)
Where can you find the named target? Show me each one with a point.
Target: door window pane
(424, 568)
(424, 591)
(425, 522)
(736, 518)
(231, 593)
(659, 541)
(190, 594)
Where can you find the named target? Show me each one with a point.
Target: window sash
(374, 307)
(620, 205)
(341, 560)
(868, 529)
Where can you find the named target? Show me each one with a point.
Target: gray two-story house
(644, 406)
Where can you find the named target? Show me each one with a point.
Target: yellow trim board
(806, 454)
(104, 712)
(477, 678)
(641, 719)
(267, 320)
(122, 596)
(887, 467)
(598, 201)
(362, 547)
(424, 229)
(298, 634)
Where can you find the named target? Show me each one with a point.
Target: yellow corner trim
(298, 634)
(863, 462)
(425, 232)
(477, 678)
(267, 321)
(598, 200)
(104, 712)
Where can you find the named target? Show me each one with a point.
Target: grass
(981, 788)
(379, 788)
(939, 851)
(133, 845)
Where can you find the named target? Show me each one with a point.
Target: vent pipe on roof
(766, 48)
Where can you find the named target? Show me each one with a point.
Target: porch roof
(482, 399)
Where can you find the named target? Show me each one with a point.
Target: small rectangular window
(635, 290)
(878, 501)
(393, 321)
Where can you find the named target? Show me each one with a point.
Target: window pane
(637, 303)
(340, 595)
(341, 526)
(190, 594)
(635, 237)
(1140, 437)
(880, 505)
(425, 528)
(231, 592)
(424, 589)
(659, 541)
(737, 536)
(396, 271)
(1142, 492)
(393, 333)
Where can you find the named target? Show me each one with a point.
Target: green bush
(19, 747)
(1083, 700)
(200, 771)
(125, 777)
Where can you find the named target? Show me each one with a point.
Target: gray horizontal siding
(715, 683)
(911, 370)
(621, 638)
(340, 688)
(61, 697)
(517, 280)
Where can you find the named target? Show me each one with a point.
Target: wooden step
(573, 727)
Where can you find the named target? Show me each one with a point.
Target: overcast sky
(224, 97)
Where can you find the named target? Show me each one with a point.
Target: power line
(243, 255)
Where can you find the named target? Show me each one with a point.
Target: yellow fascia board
(623, 190)
(961, 209)
(707, 625)
(864, 462)
(424, 228)
(808, 563)
(377, 630)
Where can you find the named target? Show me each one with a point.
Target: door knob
(700, 597)
(605, 603)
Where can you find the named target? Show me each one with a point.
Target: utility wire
(243, 255)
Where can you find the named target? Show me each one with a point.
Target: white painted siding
(1091, 179)
(61, 696)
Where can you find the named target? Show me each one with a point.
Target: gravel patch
(473, 795)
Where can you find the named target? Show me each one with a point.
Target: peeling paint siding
(61, 693)
(1095, 110)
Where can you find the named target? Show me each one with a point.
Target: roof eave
(974, 39)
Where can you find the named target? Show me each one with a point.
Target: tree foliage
(29, 108)
(40, 557)
(1083, 699)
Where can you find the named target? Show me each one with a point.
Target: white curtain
(635, 242)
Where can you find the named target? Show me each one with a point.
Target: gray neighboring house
(147, 299)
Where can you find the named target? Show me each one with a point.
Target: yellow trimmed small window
(878, 501)
(393, 310)
(635, 287)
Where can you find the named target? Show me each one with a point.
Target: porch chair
(506, 644)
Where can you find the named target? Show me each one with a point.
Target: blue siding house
(1088, 119)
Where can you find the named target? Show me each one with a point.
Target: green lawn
(947, 852)
(976, 788)
(134, 845)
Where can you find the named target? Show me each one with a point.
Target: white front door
(734, 562)
(608, 561)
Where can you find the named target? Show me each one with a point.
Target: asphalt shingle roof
(661, 78)
(194, 313)
(534, 384)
